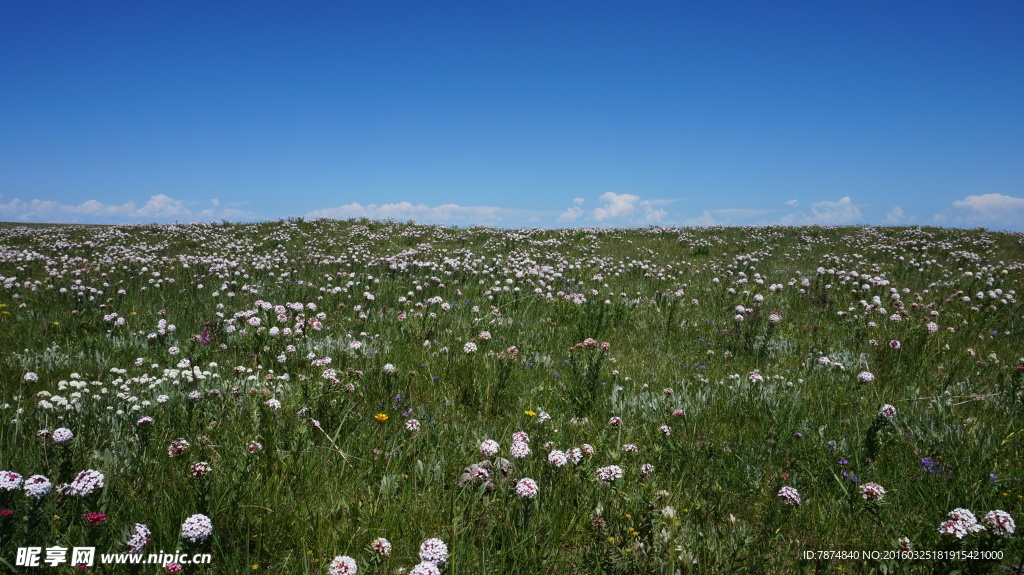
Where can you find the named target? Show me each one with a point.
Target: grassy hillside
(338, 377)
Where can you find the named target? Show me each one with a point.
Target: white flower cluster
(343, 565)
(434, 551)
(381, 546)
(62, 436)
(138, 539)
(789, 495)
(489, 448)
(519, 450)
(1000, 522)
(608, 474)
(38, 486)
(425, 568)
(558, 458)
(872, 491)
(197, 528)
(526, 488)
(86, 483)
(9, 481)
(961, 522)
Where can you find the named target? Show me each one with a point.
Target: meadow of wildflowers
(380, 397)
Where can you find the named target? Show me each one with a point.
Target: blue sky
(514, 114)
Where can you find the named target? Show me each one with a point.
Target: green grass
(710, 506)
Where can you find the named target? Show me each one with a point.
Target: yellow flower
(56, 323)
(530, 413)
(255, 567)
(381, 417)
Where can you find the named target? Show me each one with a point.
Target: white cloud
(629, 209)
(706, 219)
(159, 208)
(422, 213)
(792, 203)
(615, 206)
(652, 215)
(988, 209)
(615, 209)
(895, 216)
(841, 212)
(164, 207)
(826, 213)
(572, 214)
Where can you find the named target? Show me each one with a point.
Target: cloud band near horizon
(611, 209)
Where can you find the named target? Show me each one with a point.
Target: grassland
(293, 355)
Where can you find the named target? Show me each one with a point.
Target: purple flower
(843, 462)
(798, 435)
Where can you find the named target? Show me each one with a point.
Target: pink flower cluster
(590, 343)
(789, 495)
(177, 447)
(526, 488)
(489, 448)
(872, 491)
